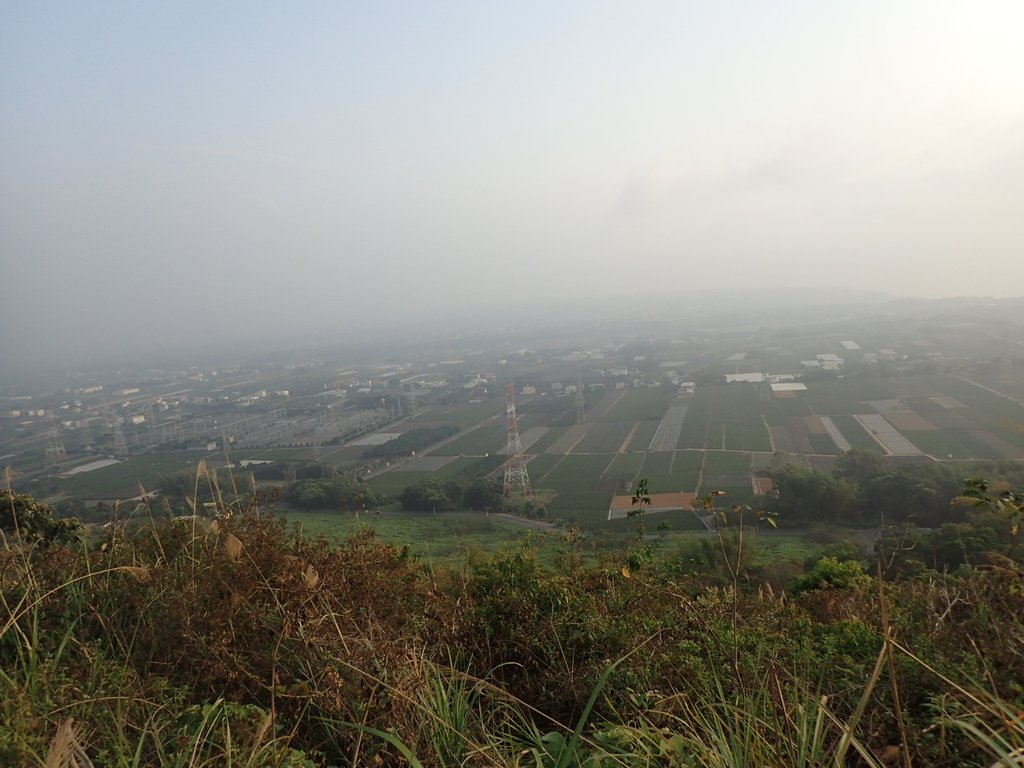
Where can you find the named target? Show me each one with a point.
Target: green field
(999, 415)
(729, 472)
(672, 471)
(468, 467)
(580, 486)
(642, 435)
(122, 480)
(623, 471)
(641, 404)
(747, 436)
(489, 438)
(695, 425)
(687, 466)
(448, 538)
(825, 444)
(453, 538)
(956, 444)
(541, 465)
(462, 416)
(735, 493)
(855, 434)
(790, 406)
(726, 463)
(605, 437)
(546, 440)
(657, 463)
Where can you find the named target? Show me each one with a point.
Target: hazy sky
(185, 169)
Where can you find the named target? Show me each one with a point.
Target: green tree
(858, 466)
(806, 496)
(831, 573)
(425, 496)
(483, 493)
(310, 494)
(22, 517)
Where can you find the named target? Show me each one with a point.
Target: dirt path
(622, 448)
(605, 405)
(700, 472)
(771, 437)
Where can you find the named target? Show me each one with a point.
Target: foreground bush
(239, 641)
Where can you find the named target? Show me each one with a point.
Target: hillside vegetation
(237, 641)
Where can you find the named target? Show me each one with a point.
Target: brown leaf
(311, 577)
(233, 547)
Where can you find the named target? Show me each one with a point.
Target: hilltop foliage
(191, 642)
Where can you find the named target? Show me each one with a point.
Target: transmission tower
(581, 407)
(56, 456)
(516, 476)
(120, 446)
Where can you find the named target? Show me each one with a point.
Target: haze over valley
(571, 385)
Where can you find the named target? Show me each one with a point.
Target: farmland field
(846, 396)
(641, 404)
(424, 464)
(892, 440)
(999, 415)
(600, 409)
(122, 480)
(605, 437)
(486, 439)
(468, 467)
(746, 436)
(791, 437)
(735, 493)
(945, 444)
(643, 437)
(329, 454)
(657, 463)
(737, 402)
(793, 406)
(577, 480)
(671, 472)
(393, 483)
(687, 466)
(462, 416)
(724, 417)
(546, 440)
(823, 444)
(837, 436)
(534, 419)
(540, 465)
(695, 425)
(530, 436)
(623, 471)
(569, 438)
(668, 430)
(855, 434)
(726, 463)
(729, 472)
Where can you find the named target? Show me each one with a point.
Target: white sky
(171, 170)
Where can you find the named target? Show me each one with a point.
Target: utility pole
(516, 476)
(56, 456)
